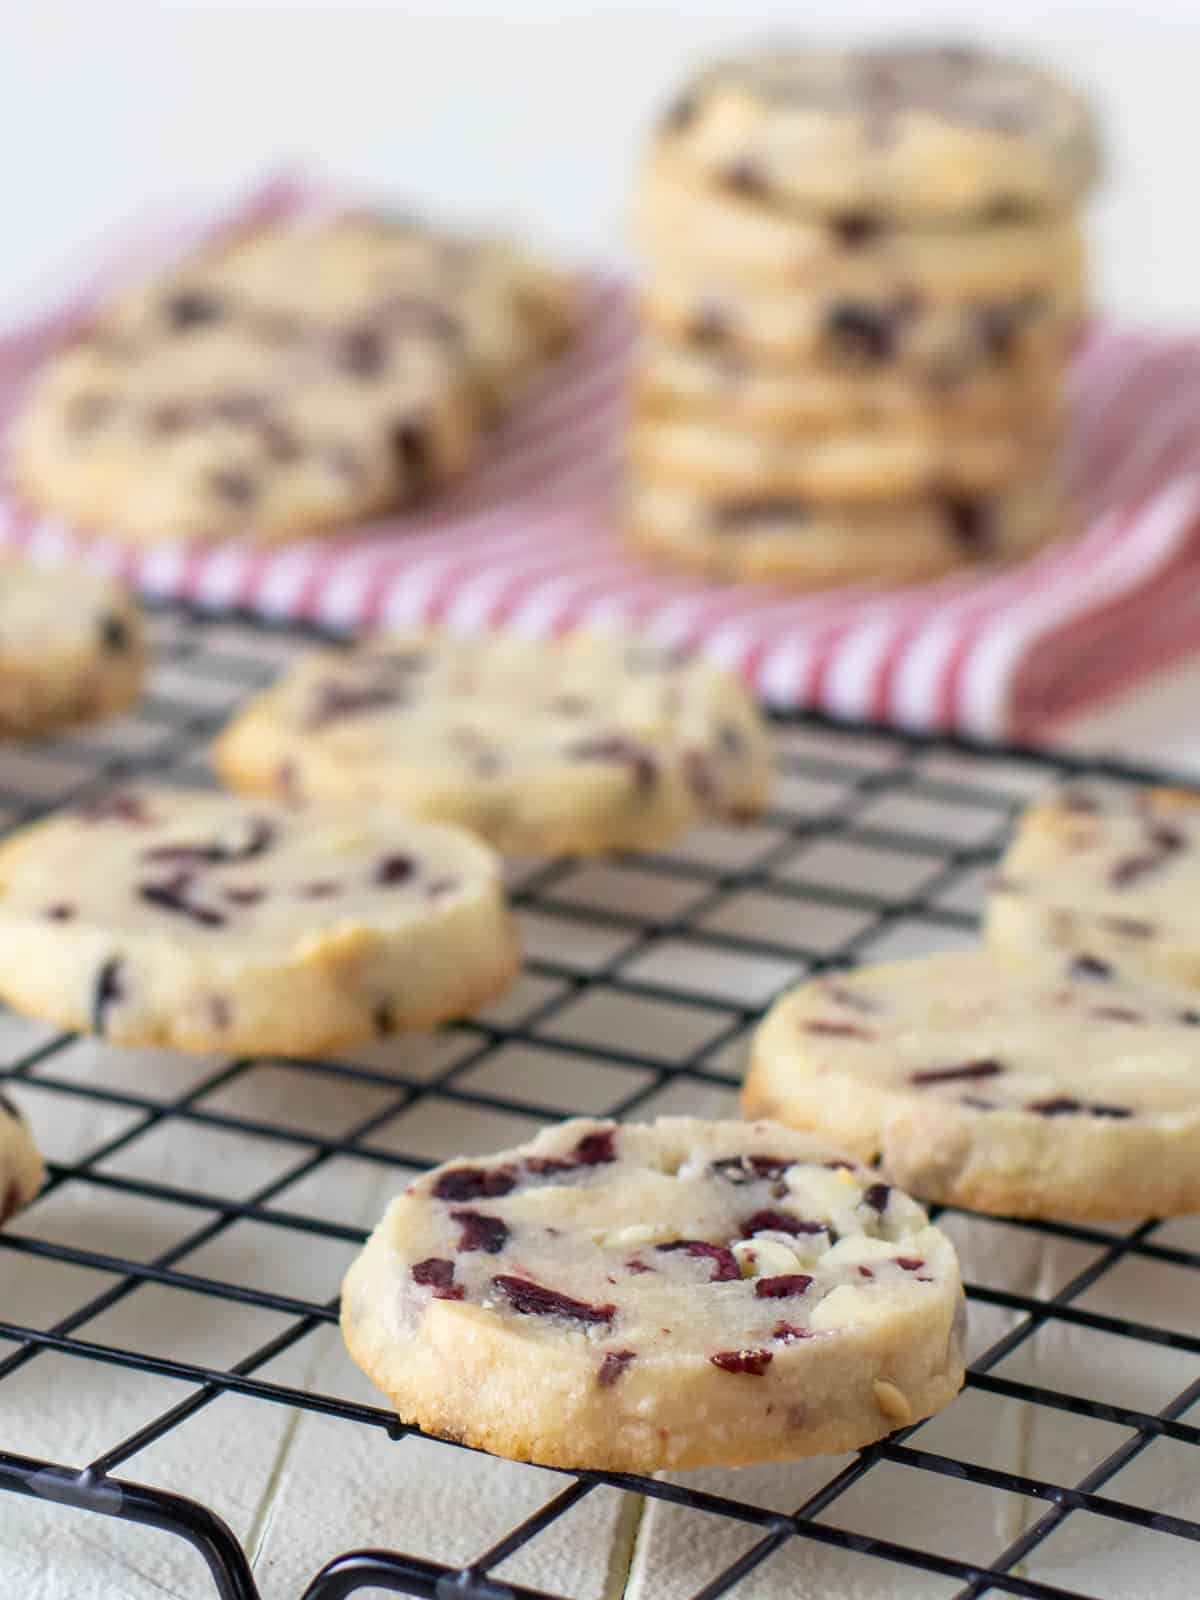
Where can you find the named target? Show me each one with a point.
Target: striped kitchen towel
(529, 542)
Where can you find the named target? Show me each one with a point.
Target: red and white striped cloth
(530, 542)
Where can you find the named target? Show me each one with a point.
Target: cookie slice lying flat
(1118, 875)
(21, 1169)
(71, 647)
(204, 923)
(1055, 1090)
(588, 745)
(678, 1294)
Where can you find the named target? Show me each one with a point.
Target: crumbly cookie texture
(869, 137)
(673, 1295)
(955, 393)
(1055, 1089)
(580, 746)
(302, 376)
(21, 1168)
(678, 219)
(72, 647)
(791, 539)
(203, 923)
(1117, 874)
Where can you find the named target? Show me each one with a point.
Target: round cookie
(871, 137)
(21, 1168)
(203, 923)
(1117, 874)
(844, 333)
(303, 377)
(723, 383)
(791, 540)
(868, 466)
(1059, 1089)
(72, 647)
(672, 1295)
(678, 220)
(579, 746)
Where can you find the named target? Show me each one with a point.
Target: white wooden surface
(298, 1488)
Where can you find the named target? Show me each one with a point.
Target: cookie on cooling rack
(71, 647)
(205, 923)
(581, 746)
(303, 376)
(1055, 1089)
(672, 1295)
(21, 1169)
(1116, 874)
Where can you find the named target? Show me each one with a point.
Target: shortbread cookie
(21, 1169)
(200, 922)
(71, 647)
(1115, 874)
(1056, 1089)
(792, 540)
(302, 377)
(678, 220)
(724, 384)
(871, 137)
(673, 1295)
(587, 745)
(863, 466)
(845, 333)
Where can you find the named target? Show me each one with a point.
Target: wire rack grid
(645, 977)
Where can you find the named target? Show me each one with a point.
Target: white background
(534, 113)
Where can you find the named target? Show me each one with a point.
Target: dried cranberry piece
(239, 488)
(698, 775)
(997, 326)
(115, 637)
(169, 416)
(259, 838)
(410, 446)
(393, 870)
(877, 1197)
(838, 1030)
(474, 1183)
(60, 912)
(362, 352)
(613, 1367)
(857, 228)
(120, 807)
(625, 752)
(437, 1273)
(172, 896)
(969, 521)
(596, 1149)
(336, 700)
(744, 177)
(769, 1221)
(711, 325)
(1063, 1106)
(108, 992)
(783, 1287)
(725, 1267)
(850, 998)
(1085, 966)
(192, 308)
(1130, 927)
(986, 1067)
(534, 1299)
(788, 1333)
(280, 442)
(246, 895)
(753, 1363)
(751, 1168)
(220, 1012)
(1166, 838)
(910, 1263)
(862, 333)
(481, 1232)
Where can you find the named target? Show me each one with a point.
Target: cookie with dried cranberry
(1113, 872)
(790, 539)
(204, 923)
(578, 746)
(72, 647)
(1060, 1088)
(669, 1295)
(898, 134)
(958, 394)
(21, 1168)
(680, 219)
(304, 376)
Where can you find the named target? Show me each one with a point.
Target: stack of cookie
(865, 272)
(304, 375)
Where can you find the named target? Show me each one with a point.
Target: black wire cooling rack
(878, 846)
